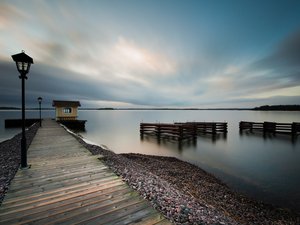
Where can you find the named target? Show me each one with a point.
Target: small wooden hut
(66, 113)
(66, 110)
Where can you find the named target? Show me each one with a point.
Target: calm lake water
(266, 168)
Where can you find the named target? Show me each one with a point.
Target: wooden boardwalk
(66, 184)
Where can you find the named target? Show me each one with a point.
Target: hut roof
(65, 103)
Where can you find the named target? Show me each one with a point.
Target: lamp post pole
(23, 140)
(23, 63)
(40, 105)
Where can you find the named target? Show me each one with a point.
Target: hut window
(67, 110)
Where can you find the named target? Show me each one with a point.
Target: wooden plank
(39, 179)
(134, 217)
(36, 175)
(107, 187)
(38, 211)
(48, 185)
(116, 212)
(10, 199)
(96, 210)
(56, 185)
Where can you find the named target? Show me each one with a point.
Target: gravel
(10, 157)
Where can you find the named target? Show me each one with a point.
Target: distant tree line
(8, 108)
(278, 108)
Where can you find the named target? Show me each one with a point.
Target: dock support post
(194, 131)
(180, 138)
(142, 131)
(295, 128)
(225, 128)
(269, 127)
(214, 129)
(158, 131)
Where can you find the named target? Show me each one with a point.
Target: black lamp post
(40, 103)
(23, 63)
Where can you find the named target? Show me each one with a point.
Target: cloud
(284, 60)
(279, 70)
(93, 58)
(130, 56)
(9, 14)
(287, 54)
(54, 83)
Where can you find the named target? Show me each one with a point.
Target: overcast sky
(148, 53)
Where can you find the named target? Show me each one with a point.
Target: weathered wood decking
(67, 185)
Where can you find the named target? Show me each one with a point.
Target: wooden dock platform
(182, 131)
(66, 184)
(271, 127)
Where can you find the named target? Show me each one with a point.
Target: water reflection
(185, 143)
(270, 136)
(170, 143)
(214, 138)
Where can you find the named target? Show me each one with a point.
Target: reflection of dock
(182, 131)
(271, 127)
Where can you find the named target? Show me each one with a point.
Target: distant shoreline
(260, 108)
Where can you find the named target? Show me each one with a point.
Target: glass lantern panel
(20, 66)
(25, 66)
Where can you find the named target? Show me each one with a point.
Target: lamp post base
(25, 168)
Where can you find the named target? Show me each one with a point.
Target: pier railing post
(142, 130)
(294, 128)
(269, 127)
(214, 128)
(225, 128)
(180, 128)
(158, 131)
(194, 131)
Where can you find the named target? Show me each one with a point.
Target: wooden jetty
(181, 131)
(271, 127)
(66, 184)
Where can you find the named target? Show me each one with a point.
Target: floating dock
(271, 127)
(182, 131)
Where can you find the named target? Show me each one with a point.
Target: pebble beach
(186, 194)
